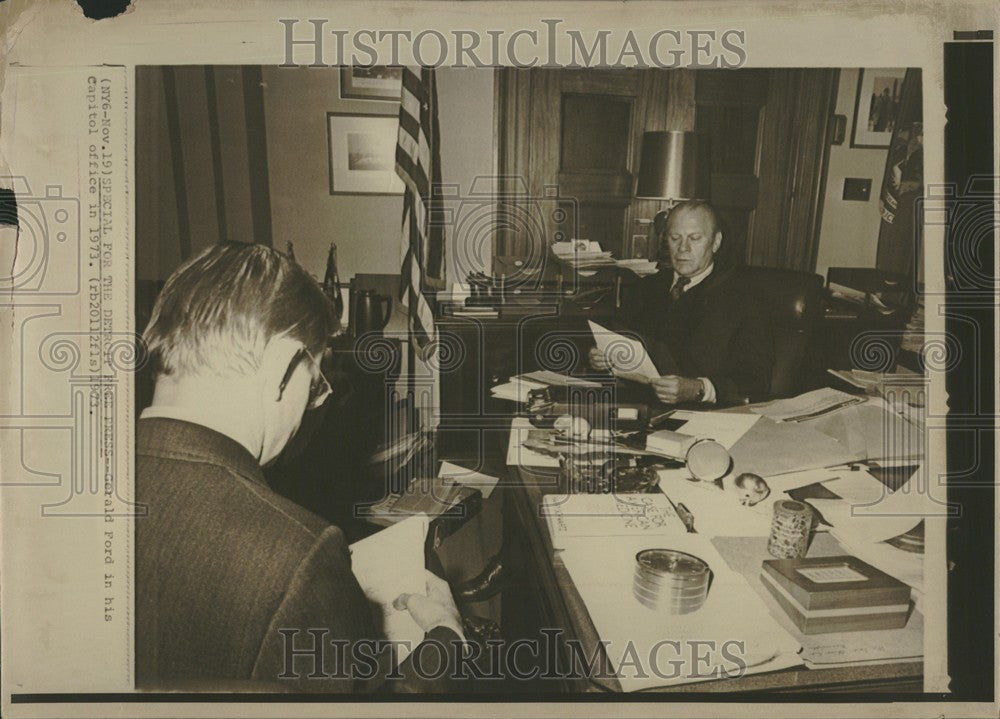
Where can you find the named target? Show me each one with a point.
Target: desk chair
(796, 308)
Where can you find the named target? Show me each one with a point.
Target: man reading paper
(233, 581)
(704, 327)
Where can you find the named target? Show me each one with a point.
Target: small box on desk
(836, 594)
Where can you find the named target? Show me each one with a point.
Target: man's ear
(717, 241)
(278, 354)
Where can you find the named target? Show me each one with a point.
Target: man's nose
(684, 245)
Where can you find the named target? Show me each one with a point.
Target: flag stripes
(418, 165)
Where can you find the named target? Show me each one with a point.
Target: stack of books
(836, 594)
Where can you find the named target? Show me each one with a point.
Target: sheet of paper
(793, 480)
(726, 428)
(604, 515)
(628, 356)
(483, 482)
(602, 570)
(387, 564)
(807, 406)
(716, 512)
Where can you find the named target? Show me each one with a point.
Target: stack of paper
(639, 266)
(807, 406)
(731, 634)
(582, 254)
(516, 389)
(867, 514)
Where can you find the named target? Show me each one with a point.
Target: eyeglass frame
(316, 397)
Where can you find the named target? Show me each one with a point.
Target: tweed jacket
(223, 563)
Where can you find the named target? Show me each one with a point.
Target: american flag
(418, 163)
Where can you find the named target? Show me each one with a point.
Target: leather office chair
(796, 308)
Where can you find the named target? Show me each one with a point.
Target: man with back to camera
(223, 562)
(705, 328)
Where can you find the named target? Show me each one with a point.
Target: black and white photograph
(679, 442)
(499, 367)
(362, 154)
(877, 107)
(379, 82)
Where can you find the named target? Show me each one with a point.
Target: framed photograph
(378, 82)
(363, 154)
(876, 106)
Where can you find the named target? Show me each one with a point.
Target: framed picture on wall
(363, 154)
(876, 106)
(378, 82)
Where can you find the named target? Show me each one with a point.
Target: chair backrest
(796, 307)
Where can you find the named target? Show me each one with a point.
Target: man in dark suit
(233, 581)
(704, 327)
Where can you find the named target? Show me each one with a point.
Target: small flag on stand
(418, 163)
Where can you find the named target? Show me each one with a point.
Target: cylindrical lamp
(668, 167)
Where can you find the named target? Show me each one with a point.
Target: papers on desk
(807, 406)
(516, 389)
(716, 512)
(726, 428)
(582, 254)
(634, 635)
(571, 516)
(520, 456)
(460, 475)
(382, 581)
(627, 357)
(548, 377)
(641, 267)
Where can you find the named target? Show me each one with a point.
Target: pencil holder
(790, 529)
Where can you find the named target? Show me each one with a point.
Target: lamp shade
(668, 167)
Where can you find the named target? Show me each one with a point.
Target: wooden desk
(541, 595)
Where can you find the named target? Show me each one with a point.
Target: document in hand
(627, 356)
(387, 564)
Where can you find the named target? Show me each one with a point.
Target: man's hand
(598, 361)
(671, 389)
(435, 609)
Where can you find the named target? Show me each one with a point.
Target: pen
(685, 514)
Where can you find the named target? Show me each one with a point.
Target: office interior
(530, 157)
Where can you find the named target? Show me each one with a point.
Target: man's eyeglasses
(319, 388)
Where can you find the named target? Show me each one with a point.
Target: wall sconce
(668, 170)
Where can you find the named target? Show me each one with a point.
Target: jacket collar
(179, 439)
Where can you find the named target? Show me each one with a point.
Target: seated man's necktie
(678, 289)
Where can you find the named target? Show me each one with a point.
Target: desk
(541, 595)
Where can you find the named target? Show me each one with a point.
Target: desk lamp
(668, 171)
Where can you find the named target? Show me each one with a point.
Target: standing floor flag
(418, 163)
